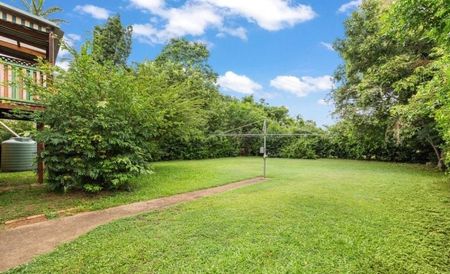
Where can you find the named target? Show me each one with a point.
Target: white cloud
(328, 46)
(302, 86)
(323, 102)
(65, 64)
(188, 20)
(266, 95)
(238, 83)
(239, 32)
(150, 5)
(209, 45)
(146, 33)
(349, 6)
(94, 11)
(63, 53)
(268, 14)
(195, 17)
(73, 37)
(70, 39)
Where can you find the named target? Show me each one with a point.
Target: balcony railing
(13, 81)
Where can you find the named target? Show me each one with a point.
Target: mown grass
(323, 216)
(20, 197)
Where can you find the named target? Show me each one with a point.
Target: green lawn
(317, 216)
(19, 197)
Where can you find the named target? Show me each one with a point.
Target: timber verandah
(13, 88)
(24, 38)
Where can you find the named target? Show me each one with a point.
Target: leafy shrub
(94, 137)
(303, 148)
(175, 99)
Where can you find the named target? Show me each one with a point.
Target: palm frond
(50, 11)
(36, 7)
(27, 5)
(58, 21)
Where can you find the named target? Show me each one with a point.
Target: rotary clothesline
(264, 134)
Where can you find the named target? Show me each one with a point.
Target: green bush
(302, 148)
(94, 138)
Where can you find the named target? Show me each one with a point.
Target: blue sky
(273, 49)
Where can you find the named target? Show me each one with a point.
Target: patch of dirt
(26, 221)
(18, 187)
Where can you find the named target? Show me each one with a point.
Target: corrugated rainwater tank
(18, 154)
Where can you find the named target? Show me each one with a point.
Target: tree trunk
(40, 163)
(440, 162)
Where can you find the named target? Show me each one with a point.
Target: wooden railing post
(51, 48)
(40, 163)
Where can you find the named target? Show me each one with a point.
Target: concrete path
(20, 245)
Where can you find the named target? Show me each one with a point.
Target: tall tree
(365, 97)
(112, 42)
(426, 112)
(36, 7)
(192, 59)
(187, 64)
(192, 55)
(389, 55)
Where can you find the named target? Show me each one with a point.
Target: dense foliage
(94, 139)
(112, 42)
(394, 86)
(106, 120)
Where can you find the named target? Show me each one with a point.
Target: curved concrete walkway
(20, 245)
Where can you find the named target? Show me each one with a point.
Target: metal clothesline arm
(264, 134)
(228, 131)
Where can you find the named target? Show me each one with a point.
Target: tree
(426, 113)
(364, 96)
(174, 97)
(112, 42)
(95, 138)
(389, 55)
(312, 145)
(36, 7)
(190, 68)
(193, 55)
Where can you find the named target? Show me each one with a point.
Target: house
(24, 39)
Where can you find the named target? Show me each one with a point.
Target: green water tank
(18, 154)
